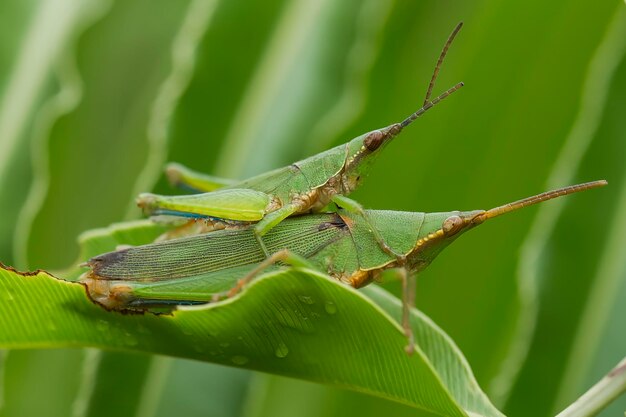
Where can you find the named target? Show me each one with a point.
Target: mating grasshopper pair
(268, 219)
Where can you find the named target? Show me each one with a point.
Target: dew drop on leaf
(239, 360)
(281, 350)
(102, 326)
(130, 340)
(306, 299)
(330, 307)
(143, 329)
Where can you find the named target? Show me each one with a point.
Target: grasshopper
(302, 187)
(203, 268)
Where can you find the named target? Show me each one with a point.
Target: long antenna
(440, 61)
(429, 105)
(427, 102)
(548, 195)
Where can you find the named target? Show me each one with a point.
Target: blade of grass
(593, 99)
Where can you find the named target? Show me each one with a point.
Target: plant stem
(600, 395)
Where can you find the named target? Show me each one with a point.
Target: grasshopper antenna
(428, 104)
(548, 195)
(442, 56)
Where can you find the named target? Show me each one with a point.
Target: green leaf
(295, 323)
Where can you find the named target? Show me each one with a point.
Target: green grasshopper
(267, 199)
(203, 268)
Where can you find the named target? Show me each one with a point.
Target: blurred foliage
(96, 95)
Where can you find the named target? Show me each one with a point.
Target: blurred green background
(96, 95)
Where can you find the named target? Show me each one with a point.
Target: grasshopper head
(440, 229)
(362, 151)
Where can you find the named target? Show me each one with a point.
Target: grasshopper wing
(191, 269)
(232, 204)
(216, 251)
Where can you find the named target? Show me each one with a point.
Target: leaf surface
(296, 323)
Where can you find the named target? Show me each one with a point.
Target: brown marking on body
(110, 295)
(312, 200)
(348, 221)
(305, 201)
(351, 159)
(326, 192)
(322, 195)
(200, 226)
(432, 237)
(359, 278)
(336, 222)
(274, 204)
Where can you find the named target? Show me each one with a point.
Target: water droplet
(330, 307)
(306, 299)
(130, 340)
(239, 360)
(281, 350)
(102, 325)
(143, 329)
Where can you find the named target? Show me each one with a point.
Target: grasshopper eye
(452, 225)
(374, 140)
